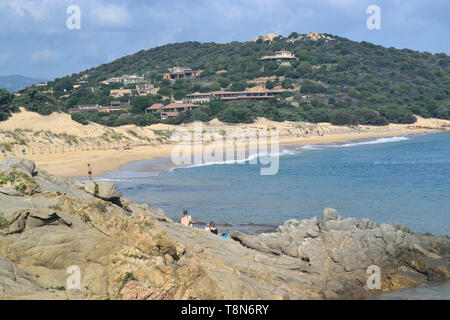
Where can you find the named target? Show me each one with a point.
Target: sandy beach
(64, 147)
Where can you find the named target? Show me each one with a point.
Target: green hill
(333, 79)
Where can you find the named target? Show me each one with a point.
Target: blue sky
(35, 42)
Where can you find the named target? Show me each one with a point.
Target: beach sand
(64, 147)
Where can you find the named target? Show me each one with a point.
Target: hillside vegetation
(333, 80)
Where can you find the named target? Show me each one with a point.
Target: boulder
(10, 191)
(14, 282)
(27, 219)
(103, 190)
(329, 214)
(343, 249)
(18, 164)
(365, 224)
(347, 224)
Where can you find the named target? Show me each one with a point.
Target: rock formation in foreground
(129, 251)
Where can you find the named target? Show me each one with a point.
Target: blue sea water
(402, 180)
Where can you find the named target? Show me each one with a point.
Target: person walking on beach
(186, 220)
(212, 228)
(89, 171)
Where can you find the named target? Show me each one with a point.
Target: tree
(180, 93)
(224, 83)
(293, 35)
(216, 106)
(270, 67)
(270, 85)
(286, 84)
(146, 120)
(344, 117)
(5, 104)
(139, 103)
(304, 68)
(239, 86)
(235, 115)
(63, 84)
(164, 91)
(34, 100)
(215, 86)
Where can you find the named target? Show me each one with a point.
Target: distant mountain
(14, 83)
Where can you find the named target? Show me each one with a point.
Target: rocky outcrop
(27, 219)
(17, 183)
(104, 190)
(129, 251)
(341, 250)
(18, 165)
(14, 282)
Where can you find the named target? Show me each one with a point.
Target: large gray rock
(347, 224)
(10, 191)
(18, 164)
(104, 190)
(141, 254)
(32, 219)
(342, 249)
(329, 214)
(14, 282)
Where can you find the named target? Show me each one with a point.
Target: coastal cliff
(130, 251)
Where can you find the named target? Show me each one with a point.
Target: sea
(403, 179)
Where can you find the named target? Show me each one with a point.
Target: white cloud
(44, 56)
(37, 9)
(111, 15)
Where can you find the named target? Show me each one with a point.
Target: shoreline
(69, 167)
(64, 147)
(164, 163)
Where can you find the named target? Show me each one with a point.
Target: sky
(35, 40)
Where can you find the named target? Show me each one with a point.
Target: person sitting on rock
(212, 228)
(186, 220)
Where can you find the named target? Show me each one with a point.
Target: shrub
(3, 222)
(235, 115)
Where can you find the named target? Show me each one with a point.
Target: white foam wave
(233, 161)
(377, 141)
(353, 144)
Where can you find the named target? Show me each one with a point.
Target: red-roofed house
(156, 107)
(172, 109)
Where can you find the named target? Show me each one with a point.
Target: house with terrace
(118, 106)
(118, 93)
(146, 88)
(282, 55)
(181, 73)
(231, 95)
(154, 108)
(173, 109)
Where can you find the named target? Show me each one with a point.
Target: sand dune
(64, 147)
